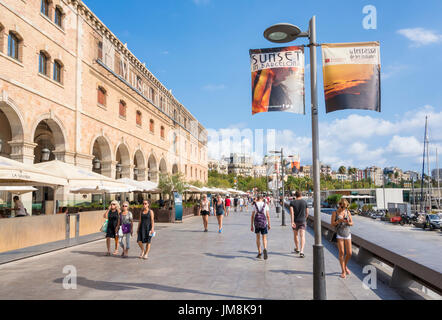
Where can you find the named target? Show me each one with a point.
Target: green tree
(342, 170)
(334, 199)
(171, 183)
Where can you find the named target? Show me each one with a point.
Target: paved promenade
(186, 263)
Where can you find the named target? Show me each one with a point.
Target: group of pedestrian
(120, 228)
(219, 207)
(341, 219)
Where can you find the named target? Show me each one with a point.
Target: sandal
(301, 255)
(107, 254)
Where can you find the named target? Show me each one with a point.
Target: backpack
(260, 217)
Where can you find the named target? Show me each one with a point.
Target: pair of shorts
(299, 226)
(261, 230)
(343, 238)
(221, 213)
(205, 212)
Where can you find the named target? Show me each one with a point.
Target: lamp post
(282, 183)
(282, 33)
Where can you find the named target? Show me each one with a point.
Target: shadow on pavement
(118, 286)
(292, 272)
(101, 254)
(227, 256)
(271, 253)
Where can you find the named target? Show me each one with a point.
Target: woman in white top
(19, 208)
(205, 211)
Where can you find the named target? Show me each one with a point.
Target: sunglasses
(113, 204)
(125, 205)
(145, 203)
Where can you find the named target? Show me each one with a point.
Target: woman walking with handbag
(126, 224)
(204, 212)
(220, 208)
(341, 219)
(113, 217)
(145, 229)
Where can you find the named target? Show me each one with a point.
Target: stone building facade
(69, 87)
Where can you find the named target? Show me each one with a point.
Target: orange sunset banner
(352, 76)
(278, 79)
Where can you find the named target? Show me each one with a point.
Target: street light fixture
(45, 154)
(96, 163)
(282, 33)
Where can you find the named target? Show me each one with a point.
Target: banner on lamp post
(352, 73)
(278, 79)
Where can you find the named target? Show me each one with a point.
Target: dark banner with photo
(352, 74)
(278, 80)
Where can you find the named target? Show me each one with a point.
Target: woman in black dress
(145, 229)
(113, 220)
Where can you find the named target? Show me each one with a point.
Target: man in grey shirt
(299, 214)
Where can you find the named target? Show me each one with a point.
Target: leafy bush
(353, 206)
(334, 199)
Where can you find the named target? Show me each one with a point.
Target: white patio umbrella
(15, 173)
(17, 189)
(191, 188)
(82, 179)
(144, 186)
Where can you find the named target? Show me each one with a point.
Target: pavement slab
(187, 263)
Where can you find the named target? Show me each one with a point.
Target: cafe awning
(82, 180)
(15, 173)
(144, 186)
(17, 189)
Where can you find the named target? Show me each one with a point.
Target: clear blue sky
(199, 49)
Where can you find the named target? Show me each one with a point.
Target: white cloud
(357, 141)
(405, 146)
(420, 36)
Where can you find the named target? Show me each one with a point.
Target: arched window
(45, 7)
(43, 63)
(58, 68)
(2, 29)
(175, 143)
(152, 95)
(151, 125)
(162, 132)
(58, 17)
(14, 45)
(101, 96)
(100, 50)
(138, 118)
(122, 109)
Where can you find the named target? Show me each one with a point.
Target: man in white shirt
(260, 224)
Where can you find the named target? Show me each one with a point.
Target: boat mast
(438, 179)
(423, 169)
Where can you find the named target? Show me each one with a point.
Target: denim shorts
(125, 238)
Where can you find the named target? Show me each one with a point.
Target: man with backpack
(260, 224)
